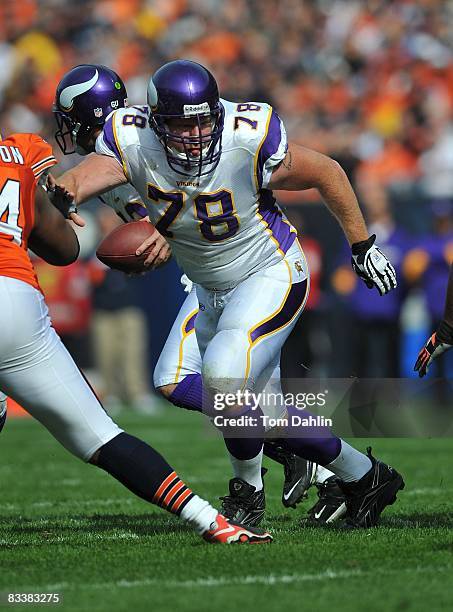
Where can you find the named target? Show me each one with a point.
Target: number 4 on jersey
(9, 209)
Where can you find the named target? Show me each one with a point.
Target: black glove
(372, 266)
(61, 199)
(438, 343)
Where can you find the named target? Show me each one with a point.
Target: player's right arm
(52, 237)
(95, 175)
(101, 171)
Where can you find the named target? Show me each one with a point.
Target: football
(117, 249)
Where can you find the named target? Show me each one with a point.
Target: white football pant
(239, 332)
(37, 371)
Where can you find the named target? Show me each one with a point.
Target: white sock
(249, 469)
(199, 513)
(351, 464)
(322, 474)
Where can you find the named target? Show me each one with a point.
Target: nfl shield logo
(97, 112)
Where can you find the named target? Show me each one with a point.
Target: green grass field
(69, 528)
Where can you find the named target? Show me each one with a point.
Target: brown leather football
(117, 249)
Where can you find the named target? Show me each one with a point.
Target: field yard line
(427, 491)
(110, 501)
(266, 580)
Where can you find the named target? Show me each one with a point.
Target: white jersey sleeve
(265, 138)
(125, 199)
(126, 121)
(105, 142)
(273, 149)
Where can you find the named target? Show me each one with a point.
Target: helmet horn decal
(152, 94)
(69, 93)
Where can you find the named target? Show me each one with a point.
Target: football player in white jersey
(92, 100)
(205, 169)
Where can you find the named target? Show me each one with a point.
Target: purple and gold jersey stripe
(282, 232)
(109, 138)
(111, 141)
(173, 494)
(268, 146)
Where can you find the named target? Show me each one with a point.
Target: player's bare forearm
(52, 237)
(95, 175)
(304, 168)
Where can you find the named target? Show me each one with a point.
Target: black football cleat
(331, 504)
(244, 504)
(367, 498)
(299, 473)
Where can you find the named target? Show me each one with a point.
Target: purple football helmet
(186, 90)
(85, 96)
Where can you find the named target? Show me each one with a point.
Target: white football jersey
(223, 226)
(126, 202)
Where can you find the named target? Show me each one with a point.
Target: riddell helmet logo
(195, 109)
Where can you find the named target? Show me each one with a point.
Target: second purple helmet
(186, 90)
(85, 96)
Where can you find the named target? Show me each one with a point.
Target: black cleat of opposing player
(244, 504)
(331, 504)
(367, 498)
(299, 473)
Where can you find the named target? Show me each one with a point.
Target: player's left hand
(434, 347)
(159, 254)
(372, 266)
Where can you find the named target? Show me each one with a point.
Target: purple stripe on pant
(292, 304)
(190, 323)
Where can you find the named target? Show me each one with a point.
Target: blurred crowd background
(369, 83)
